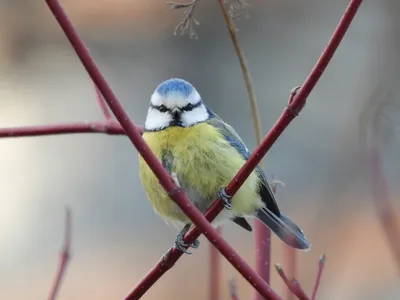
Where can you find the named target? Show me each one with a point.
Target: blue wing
(236, 142)
(281, 225)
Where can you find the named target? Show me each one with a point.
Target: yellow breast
(205, 160)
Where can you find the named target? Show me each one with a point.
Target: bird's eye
(162, 108)
(188, 107)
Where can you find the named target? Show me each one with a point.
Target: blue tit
(202, 154)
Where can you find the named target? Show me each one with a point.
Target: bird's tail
(284, 228)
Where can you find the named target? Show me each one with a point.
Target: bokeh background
(116, 236)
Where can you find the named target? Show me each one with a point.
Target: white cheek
(156, 99)
(156, 119)
(199, 114)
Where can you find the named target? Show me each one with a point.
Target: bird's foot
(224, 198)
(180, 243)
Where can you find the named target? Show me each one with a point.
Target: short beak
(176, 113)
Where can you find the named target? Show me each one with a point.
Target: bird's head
(175, 102)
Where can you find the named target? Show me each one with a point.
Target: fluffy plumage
(205, 153)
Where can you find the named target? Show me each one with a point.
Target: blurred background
(116, 236)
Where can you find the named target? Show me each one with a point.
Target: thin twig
(245, 71)
(321, 266)
(296, 103)
(64, 258)
(202, 225)
(293, 284)
(111, 128)
(261, 232)
(103, 104)
(187, 24)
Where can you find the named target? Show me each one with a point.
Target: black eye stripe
(161, 108)
(191, 106)
(188, 107)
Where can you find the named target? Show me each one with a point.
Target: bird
(202, 154)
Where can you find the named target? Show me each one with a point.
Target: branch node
(293, 93)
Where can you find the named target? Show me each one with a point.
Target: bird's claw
(182, 246)
(224, 198)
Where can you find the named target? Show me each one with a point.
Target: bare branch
(239, 9)
(111, 128)
(293, 285)
(321, 266)
(64, 258)
(187, 24)
(103, 104)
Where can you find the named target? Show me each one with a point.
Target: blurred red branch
(202, 225)
(215, 271)
(292, 284)
(64, 258)
(291, 262)
(165, 180)
(107, 127)
(262, 234)
(289, 253)
(103, 105)
(321, 266)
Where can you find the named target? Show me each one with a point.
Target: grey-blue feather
(281, 225)
(236, 142)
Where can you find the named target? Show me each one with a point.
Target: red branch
(112, 128)
(202, 225)
(296, 103)
(291, 262)
(215, 271)
(293, 285)
(103, 105)
(289, 253)
(64, 258)
(165, 180)
(262, 238)
(321, 266)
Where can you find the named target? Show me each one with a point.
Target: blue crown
(175, 85)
